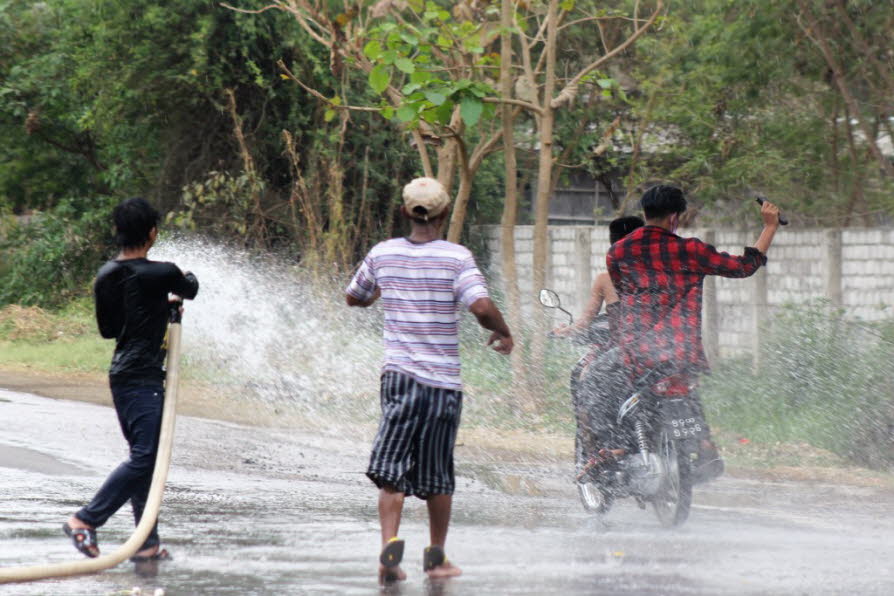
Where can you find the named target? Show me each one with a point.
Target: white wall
(854, 268)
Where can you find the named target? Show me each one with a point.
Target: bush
(50, 260)
(824, 380)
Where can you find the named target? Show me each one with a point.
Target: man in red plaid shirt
(659, 277)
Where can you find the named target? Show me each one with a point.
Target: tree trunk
(510, 202)
(544, 182)
(468, 167)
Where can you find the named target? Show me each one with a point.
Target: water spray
(156, 490)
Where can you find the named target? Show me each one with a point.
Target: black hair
(661, 201)
(134, 219)
(622, 226)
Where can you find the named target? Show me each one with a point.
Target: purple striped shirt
(422, 286)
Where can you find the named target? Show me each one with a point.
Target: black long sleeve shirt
(132, 307)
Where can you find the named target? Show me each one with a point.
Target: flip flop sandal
(390, 557)
(433, 556)
(160, 555)
(84, 539)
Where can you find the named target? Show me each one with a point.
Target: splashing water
(266, 330)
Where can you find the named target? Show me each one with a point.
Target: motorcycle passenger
(659, 277)
(598, 380)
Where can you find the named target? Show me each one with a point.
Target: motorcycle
(661, 431)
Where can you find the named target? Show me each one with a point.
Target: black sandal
(84, 539)
(390, 557)
(433, 556)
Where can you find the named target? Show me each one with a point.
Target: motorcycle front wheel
(674, 497)
(594, 498)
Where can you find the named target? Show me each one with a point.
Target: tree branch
(515, 102)
(322, 97)
(249, 11)
(588, 19)
(620, 48)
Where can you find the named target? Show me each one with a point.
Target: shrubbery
(51, 260)
(823, 380)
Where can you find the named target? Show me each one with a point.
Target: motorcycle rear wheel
(674, 497)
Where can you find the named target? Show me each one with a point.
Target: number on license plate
(684, 428)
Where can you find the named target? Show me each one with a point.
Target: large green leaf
(406, 113)
(405, 65)
(373, 50)
(435, 97)
(470, 109)
(379, 77)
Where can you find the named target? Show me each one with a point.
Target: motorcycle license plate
(682, 421)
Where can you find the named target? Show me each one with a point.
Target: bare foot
(147, 552)
(389, 575)
(76, 524)
(444, 570)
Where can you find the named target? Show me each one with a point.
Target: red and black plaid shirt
(659, 278)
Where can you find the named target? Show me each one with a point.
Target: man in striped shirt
(421, 281)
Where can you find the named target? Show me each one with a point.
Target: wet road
(261, 511)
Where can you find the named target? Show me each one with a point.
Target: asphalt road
(260, 511)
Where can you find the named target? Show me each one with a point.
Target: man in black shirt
(132, 305)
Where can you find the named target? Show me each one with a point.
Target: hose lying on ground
(153, 502)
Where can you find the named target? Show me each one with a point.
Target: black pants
(413, 450)
(139, 410)
(599, 393)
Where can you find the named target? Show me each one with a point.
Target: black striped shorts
(413, 450)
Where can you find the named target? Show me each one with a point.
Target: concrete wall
(852, 268)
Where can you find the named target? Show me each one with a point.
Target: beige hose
(153, 502)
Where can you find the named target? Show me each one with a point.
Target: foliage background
(181, 101)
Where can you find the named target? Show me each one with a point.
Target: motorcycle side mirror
(549, 299)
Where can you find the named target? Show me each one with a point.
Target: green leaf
(406, 113)
(379, 78)
(329, 115)
(420, 76)
(470, 109)
(405, 65)
(435, 97)
(388, 112)
(479, 91)
(373, 50)
(410, 88)
(566, 5)
(444, 112)
(606, 83)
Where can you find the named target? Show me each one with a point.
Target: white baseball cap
(425, 198)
